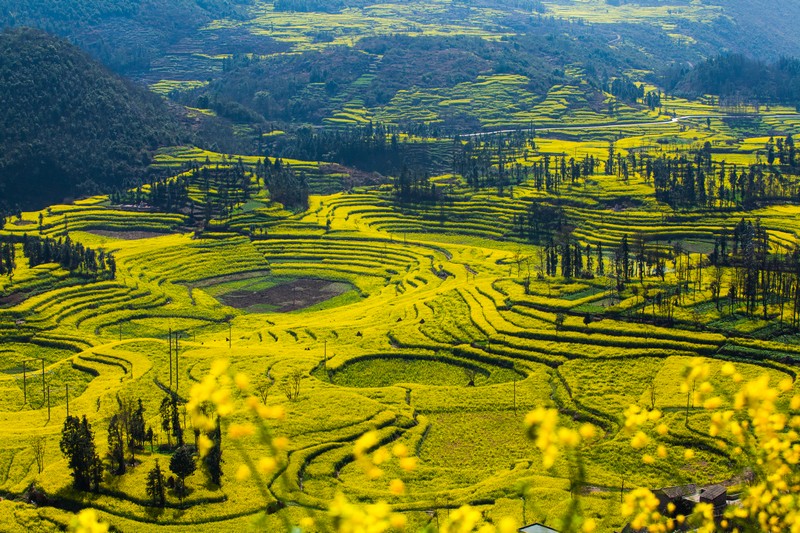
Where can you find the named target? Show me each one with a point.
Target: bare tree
(262, 389)
(653, 394)
(38, 445)
(291, 385)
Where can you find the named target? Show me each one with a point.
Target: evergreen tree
(77, 444)
(156, 486)
(116, 446)
(177, 430)
(213, 459)
(182, 465)
(138, 429)
(165, 410)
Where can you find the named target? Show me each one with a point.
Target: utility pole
(515, 393)
(170, 358)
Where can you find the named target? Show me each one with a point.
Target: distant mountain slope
(68, 125)
(127, 35)
(763, 28)
(739, 78)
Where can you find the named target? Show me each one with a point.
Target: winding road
(589, 127)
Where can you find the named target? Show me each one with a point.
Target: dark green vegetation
(310, 87)
(69, 126)
(129, 35)
(738, 80)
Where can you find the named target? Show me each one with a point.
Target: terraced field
(429, 324)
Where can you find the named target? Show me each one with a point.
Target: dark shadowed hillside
(68, 124)
(128, 35)
(736, 77)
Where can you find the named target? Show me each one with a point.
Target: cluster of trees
(372, 147)
(7, 259)
(624, 89)
(697, 181)
(170, 195)
(215, 191)
(492, 161)
(284, 184)
(413, 186)
(540, 224)
(72, 256)
(127, 435)
(653, 99)
(565, 256)
(77, 445)
(222, 187)
(757, 275)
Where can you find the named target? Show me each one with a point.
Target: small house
(537, 528)
(716, 495)
(678, 496)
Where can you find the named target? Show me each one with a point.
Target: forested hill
(68, 125)
(739, 79)
(124, 34)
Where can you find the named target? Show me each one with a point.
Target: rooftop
(537, 528)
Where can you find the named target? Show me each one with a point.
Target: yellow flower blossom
(409, 464)
(87, 522)
(587, 431)
(219, 367)
(462, 520)
(239, 431)
(271, 412)
(267, 465)
(380, 456)
(400, 450)
(640, 440)
(398, 521)
(365, 442)
(243, 473)
(242, 381)
(204, 445)
(397, 487)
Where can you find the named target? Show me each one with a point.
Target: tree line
(696, 180)
(70, 255)
(127, 435)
